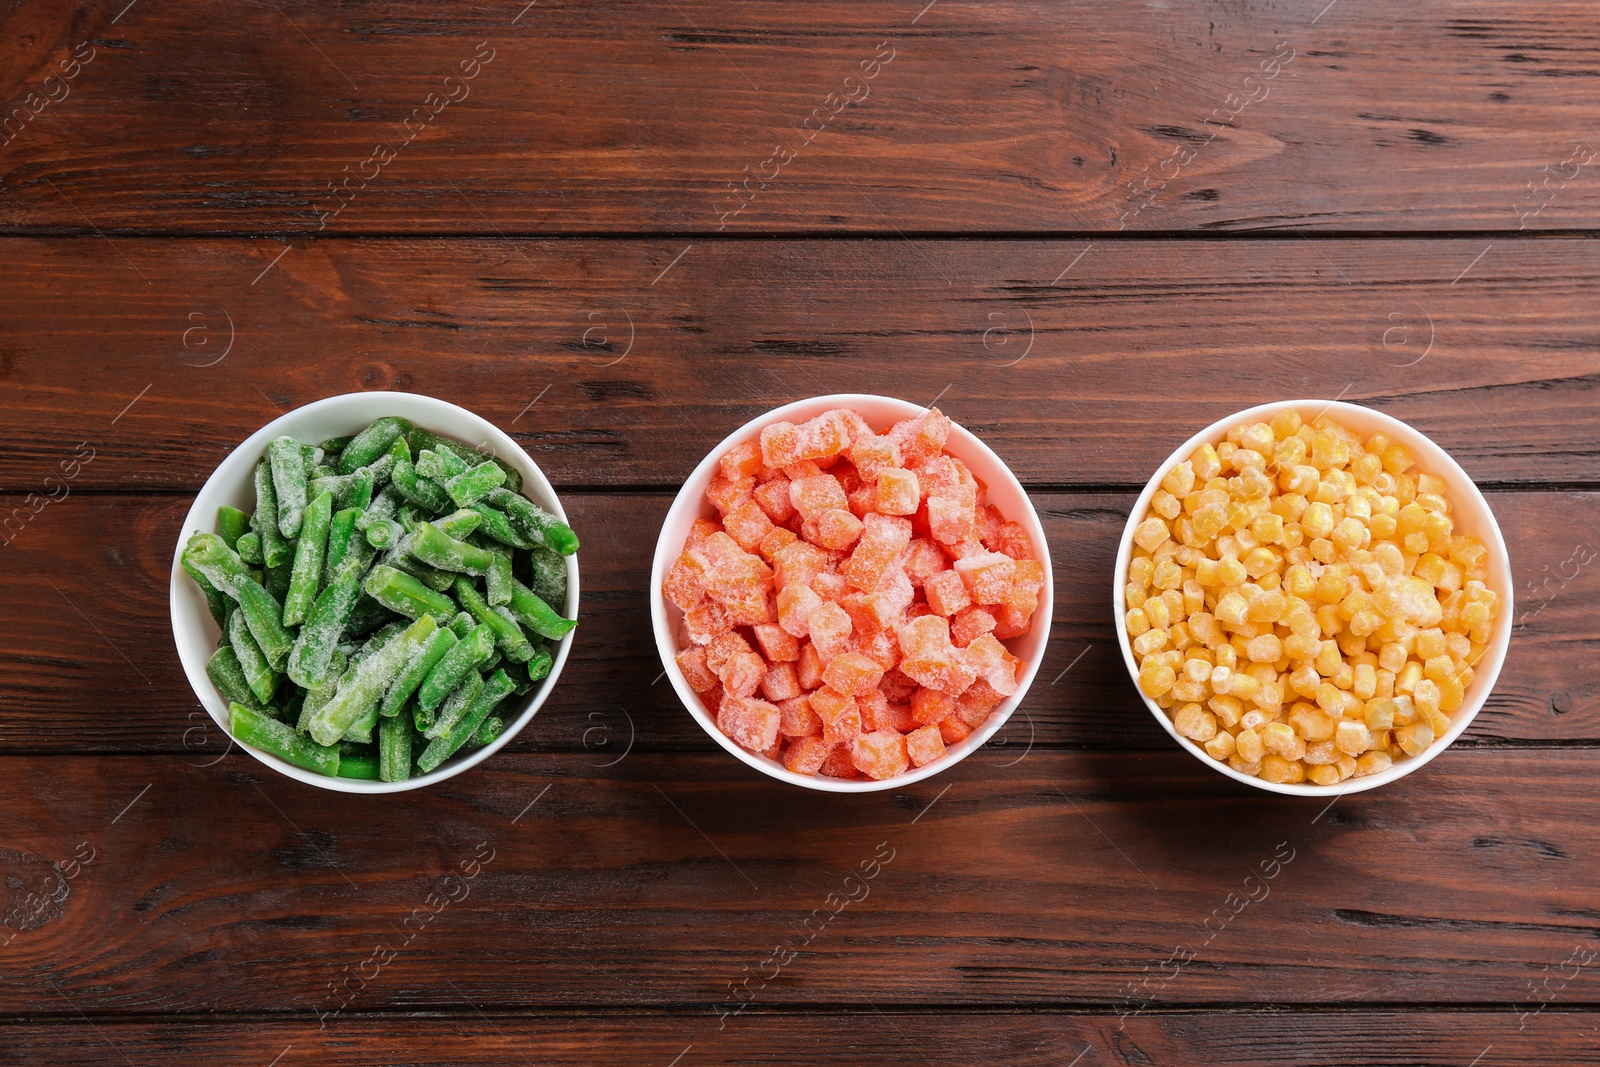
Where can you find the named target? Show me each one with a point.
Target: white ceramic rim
(687, 500)
(186, 599)
(1431, 459)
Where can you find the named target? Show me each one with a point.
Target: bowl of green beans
(374, 592)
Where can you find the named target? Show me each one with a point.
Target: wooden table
(621, 229)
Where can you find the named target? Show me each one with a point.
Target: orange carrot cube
(922, 437)
(988, 576)
(812, 496)
(826, 435)
(798, 563)
(838, 763)
(881, 648)
(742, 460)
(773, 498)
(896, 686)
(683, 584)
(747, 524)
(924, 637)
(742, 673)
(699, 531)
(924, 745)
(780, 682)
(829, 631)
(874, 708)
(796, 719)
(751, 723)
(808, 668)
(954, 729)
(949, 520)
(898, 492)
(780, 444)
(880, 754)
(852, 673)
(923, 559)
(777, 539)
(969, 624)
(797, 603)
(930, 707)
(835, 528)
(1009, 622)
(805, 755)
(777, 644)
(705, 621)
(728, 493)
(692, 662)
(872, 454)
(946, 593)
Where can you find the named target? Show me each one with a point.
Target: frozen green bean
(420, 439)
(400, 592)
(278, 739)
(488, 732)
(306, 578)
(264, 615)
(258, 673)
(455, 705)
(438, 549)
(539, 666)
(363, 687)
(508, 634)
(372, 442)
(363, 768)
(231, 525)
(531, 611)
(221, 565)
(474, 483)
(426, 658)
(340, 530)
(228, 676)
(440, 464)
(423, 492)
(471, 652)
(313, 648)
(274, 548)
(534, 522)
(499, 581)
(498, 527)
(218, 602)
(547, 575)
(394, 749)
(381, 532)
(443, 746)
(288, 465)
(249, 548)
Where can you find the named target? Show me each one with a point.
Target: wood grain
(1066, 877)
(627, 116)
(68, 688)
(638, 356)
(889, 1038)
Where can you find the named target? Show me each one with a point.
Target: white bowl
(1471, 514)
(195, 631)
(1005, 492)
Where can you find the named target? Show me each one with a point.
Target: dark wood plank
(67, 688)
(1129, 351)
(1067, 877)
(890, 1038)
(992, 115)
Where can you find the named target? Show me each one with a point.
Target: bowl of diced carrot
(851, 593)
(1313, 597)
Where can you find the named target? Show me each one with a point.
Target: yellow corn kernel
(1195, 723)
(1317, 521)
(1328, 619)
(1319, 753)
(1426, 695)
(1248, 745)
(1392, 657)
(1280, 738)
(1414, 739)
(1397, 459)
(1332, 587)
(1286, 423)
(1285, 771)
(1365, 683)
(1452, 693)
(1209, 521)
(1150, 533)
(1226, 656)
(1194, 597)
(1373, 763)
(1232, 610)
(1140, 568)
(1323, 774)
(1228, 710)
(1382, 526)
(1245, 687)
(1406, 681)
(1352, 738)
(1261, 560)
(1180, 479)
(1230, 572)
(1405, 711)
(1366, 467)
(1364, 623)
(1268, 607)
(1155, 678)
(1155, 609)
(1221, 746)
(1221, 679)
(1475, 616)
(1268, 529)
(1380, 715)
(1328, 659)
(1137, 622)
(1264, 649)
(1203, 628)
(1377, 443)
(1151, 641)
(1349, 534)
(1312, 724)
(1168, 575)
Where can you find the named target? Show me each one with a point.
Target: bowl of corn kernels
(1313, 597)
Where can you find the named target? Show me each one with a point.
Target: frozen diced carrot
(809, 666)
(872, 454)
(987, 575)
(780, 682)
(812, 496)
(880, 754)
(838, 763)
(969, 624)
(737, 579)
(896, 686)
(692, 662)
(852, 673)
(1009, 622)
(747, 524)
(945, 671)
(877, 554)
(954, 729)
(946, 593)
(930, 707)
(993, 663)
(705, 621)
(780, 444)
(796, 604)
(924, 637)
(777, 644)
(924, 745)
(990, 523)
(1026, 581)
(773, 498)
(949, 520)
(829, 631)
(898, 491)
(742, 460)
(751, 723)
(752, 610)
(948, 477)
(826, 435)
(798, 564)
(796, 719)
(836, 528)
(726, 644)
(1014, 541)
(863, 500)
(742, 673)
(805, 755)
(727, 493)
(859, 427)
(874, 708)
(683, 585)
(921, 437)
(964, 549)
(777, 539)
(699, 531)
(804, 468)
(840, 715)
(829, 586)
(923, 559)
(881, 648)
(974, 705)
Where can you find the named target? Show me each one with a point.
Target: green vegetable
(488, 732)
(232, 524)
(425, 493)
(264, 616)
(530, 610)
(381, 532)
(288, 483)
(229, 678)
(438, 549)
(372, 442)
(433, 650)
(421, 439)
(361, 767)
(400, 592)
(340, 530)
(539, 666)
(306, 578)
(216, 600)
(475, 483)
(470, 653)
(394, 748)
(249, 548)
(274, 549)
(278, 739)
(258, 673)
(507, 634)
(456, 704)
(534, 522)
(363, 687)
(443, 746)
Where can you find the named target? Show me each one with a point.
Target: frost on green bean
(255, 729)
(421, 663)
(394, 749)
(508, 634)
(306, 577)
(313, 648)
(264, 615)
(548, 575)
(372, 442)
(470, 653)
(400, 592)
(221, 565)
(455, 705)
(445, 744)
(475, 483)
(288, 483)
(438, 549)
(531, 611)
(258, 673)
(274, 548)
(364, 686)
(534, 522)
(228, 676)
(439, 464)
